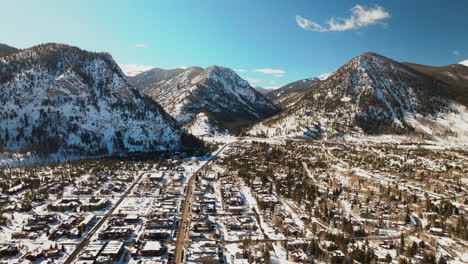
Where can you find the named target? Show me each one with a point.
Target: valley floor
(252, 200)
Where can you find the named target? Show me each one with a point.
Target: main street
(184, 227)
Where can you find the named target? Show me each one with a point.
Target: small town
(250, 201)
(233, 132)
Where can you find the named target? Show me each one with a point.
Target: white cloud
(308, 25)
(134, 69)
(279, 75)
(183, 67)
(456, 53)
(360, 17)
(240, 70)
(140, 45)
(270, 71)
(251, 80)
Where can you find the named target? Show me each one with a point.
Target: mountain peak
(371, 94)
(219, 69)
(371, 54)
(226, 99)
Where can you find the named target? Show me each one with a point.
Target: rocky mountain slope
(208, 101)
(6, 50)
(372, 95)
(150, 79)
(60, 99)
(285, 95)
(456, 75)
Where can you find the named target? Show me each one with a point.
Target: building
(114, 250)
(153, 249)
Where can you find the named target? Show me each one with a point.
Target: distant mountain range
(61, 99)
(285, 94)
(262, 90)
(211, 101)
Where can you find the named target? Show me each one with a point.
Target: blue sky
(273, 41)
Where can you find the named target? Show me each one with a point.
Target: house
(336, 256)
(19, 235)
(155, 177)
(65, 204)
(298, 255)
(153, 248)
(95, 204)
(116, 232)
(437, 231)
(52, 253)
(114, 250)
(205, 259)
(156, 234)
(132, 219)
(92, 251)
(15, 189)
(8, 251)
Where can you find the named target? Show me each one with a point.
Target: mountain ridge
(225, 99)
(59, 98)
(6, 50)
(371, 94)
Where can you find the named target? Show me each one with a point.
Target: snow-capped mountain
(134, 69)
(285, 96)
(372, 94)
(465, 62)
(60, 99)
(216, 97)
(324, 76)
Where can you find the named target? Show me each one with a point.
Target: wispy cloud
(140, 45)
(361, 16)
(252, 80)
(270, 71)
(240, 70)
(134, 69)
(456, 52)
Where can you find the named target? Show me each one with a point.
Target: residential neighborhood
(249, 202)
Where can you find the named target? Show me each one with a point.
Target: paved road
(86, 241)
(184, 226)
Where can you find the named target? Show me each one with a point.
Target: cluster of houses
(142, 235)
(35, 226)
(77, 204)
(204, 227)
(233, 201)
(73, 227)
